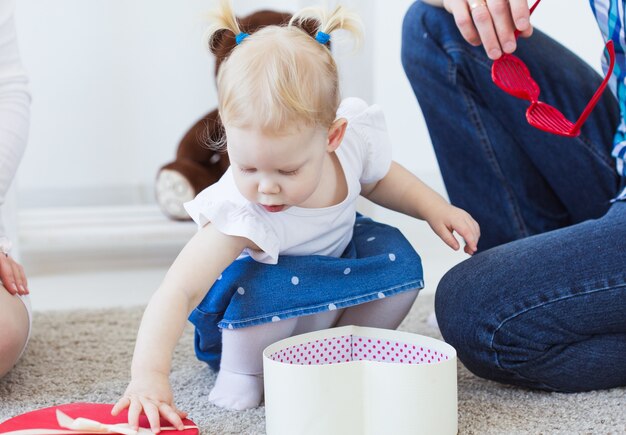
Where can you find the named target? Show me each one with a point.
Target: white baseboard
(108, 238)
(78, 239)
(86, 196)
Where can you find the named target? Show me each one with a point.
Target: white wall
(116, 83)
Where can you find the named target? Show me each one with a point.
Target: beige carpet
(85, 356)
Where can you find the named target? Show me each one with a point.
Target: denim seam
(453, 47)
(475, 118)
(491, 157)
(583, 140)
(588, 145)
(534, 307)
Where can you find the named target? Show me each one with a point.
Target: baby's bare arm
(403, 192)
(186, 283)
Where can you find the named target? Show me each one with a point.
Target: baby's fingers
(172, 415)
(476, 229)
(120, 405)
(470, 234)
(152, 412)
(446, 235)
(182, 414)
(133, 412)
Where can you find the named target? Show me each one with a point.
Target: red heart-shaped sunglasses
(511, 74)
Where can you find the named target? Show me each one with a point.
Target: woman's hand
(446, 219)
(12, 275)
(152, 394)
(491, 22)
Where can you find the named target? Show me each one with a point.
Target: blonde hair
(280, 78)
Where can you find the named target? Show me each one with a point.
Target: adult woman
(543, 304)
(14, 119)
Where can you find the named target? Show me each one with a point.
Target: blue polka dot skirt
(379, 262)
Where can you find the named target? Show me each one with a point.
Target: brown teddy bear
(196, 166)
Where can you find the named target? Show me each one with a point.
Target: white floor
(95, 265)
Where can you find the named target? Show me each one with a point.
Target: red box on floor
(45, 421)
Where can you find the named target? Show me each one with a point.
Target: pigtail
(221, 21)
(339, 19)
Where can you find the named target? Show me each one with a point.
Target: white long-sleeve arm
(14, 107)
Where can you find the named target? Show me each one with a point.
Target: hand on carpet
(152, 395)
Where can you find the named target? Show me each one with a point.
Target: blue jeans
(543, 303)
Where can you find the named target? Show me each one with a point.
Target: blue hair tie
(240, 37)
(322, 37)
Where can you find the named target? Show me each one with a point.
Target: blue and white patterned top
(611, 20)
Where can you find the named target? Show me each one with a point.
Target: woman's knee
(500, 335)
(453, 306)
(12, 342)
(464, 320)
(14, 324)
(13, 335)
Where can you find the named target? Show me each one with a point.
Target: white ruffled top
(365, 157)
(14, 107)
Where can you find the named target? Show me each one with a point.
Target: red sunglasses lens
(513, 77)
(545, 117)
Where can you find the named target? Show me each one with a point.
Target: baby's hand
(151, 394)
(447, 219)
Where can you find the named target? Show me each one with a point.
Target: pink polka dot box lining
(355, 380)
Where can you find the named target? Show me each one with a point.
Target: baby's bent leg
(385, 313)
(316, 322)
(239, 383)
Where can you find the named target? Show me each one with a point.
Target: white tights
(239, 384)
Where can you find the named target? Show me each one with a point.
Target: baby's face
(277, 172)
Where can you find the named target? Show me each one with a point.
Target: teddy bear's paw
(172, 191)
